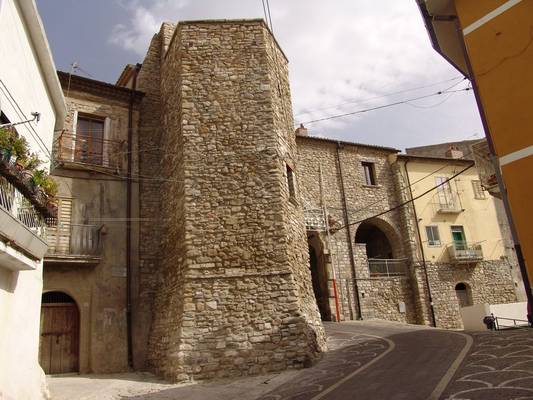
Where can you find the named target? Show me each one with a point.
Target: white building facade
(28, 85)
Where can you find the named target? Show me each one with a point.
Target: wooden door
(59, 344)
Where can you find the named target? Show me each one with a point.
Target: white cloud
(342, 51)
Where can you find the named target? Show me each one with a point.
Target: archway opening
(319, 278)
(377, 243)
(464, 294)
(60, 327)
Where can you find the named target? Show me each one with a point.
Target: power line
(383, 106)
(408, 201)
(381, 96)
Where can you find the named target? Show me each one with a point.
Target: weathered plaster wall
(99, 199)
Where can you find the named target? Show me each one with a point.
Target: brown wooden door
(59, 344)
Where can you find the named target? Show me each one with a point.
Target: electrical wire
(407, 201)
(382, 106)
(360, 101)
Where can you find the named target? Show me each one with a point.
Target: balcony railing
(13, 202)
(73, 240)
(462, 252)
(87, 150)
(383, 267)
(485, 167)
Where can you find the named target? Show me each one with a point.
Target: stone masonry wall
(317, 161)
(151, 185)
(489, 282)
(235, 288)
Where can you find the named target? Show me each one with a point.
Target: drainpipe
(347, 223)
(128, 218)
(499, 177)
(421, 246)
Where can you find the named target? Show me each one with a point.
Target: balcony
(73, 243)
(448, 206)
(22, 226)
(86, 152)
(386, 267)
(485, 168)
(463, 253)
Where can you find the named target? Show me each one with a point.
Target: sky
(344, 56)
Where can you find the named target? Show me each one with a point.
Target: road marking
(348, 377)
(493, 14)
(445, 380)
(516, 155)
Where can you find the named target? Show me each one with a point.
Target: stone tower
(224, 277)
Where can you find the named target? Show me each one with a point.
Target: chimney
(454, 152)
(301, 131)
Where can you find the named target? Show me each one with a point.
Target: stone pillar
(235, 294)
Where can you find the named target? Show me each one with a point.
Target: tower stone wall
(234, 295)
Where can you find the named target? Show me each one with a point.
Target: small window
(432, 233)
(370, 173)
(479, 193)
(290, 182)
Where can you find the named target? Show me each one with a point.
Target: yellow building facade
(491, 42)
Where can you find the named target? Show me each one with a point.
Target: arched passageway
(377, 243)
(60, 332)
(319, 276)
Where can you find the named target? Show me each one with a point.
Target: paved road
(499, 367)
(378, 360)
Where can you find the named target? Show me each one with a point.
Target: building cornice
(98, 88)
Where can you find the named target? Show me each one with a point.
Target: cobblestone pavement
(499, 366)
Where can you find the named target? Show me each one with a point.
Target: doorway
(60, 328)
(319, 277)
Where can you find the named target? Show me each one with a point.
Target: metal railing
(485, 167)
(14, 203)
(447, 202)
(82, 149)
(73, 240)
(386, 267)
(521, 323)
(463, 252)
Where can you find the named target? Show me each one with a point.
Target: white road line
(349, 376)
(493, 14)
(445, 380)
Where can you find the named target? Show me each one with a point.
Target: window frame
(432, 242)
(369, 173)
(479, 192)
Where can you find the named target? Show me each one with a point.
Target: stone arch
(59, 343)
(463, 292)
(381, 238)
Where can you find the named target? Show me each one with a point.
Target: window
(370, 173)
(459, 238)
(89, 140)
(290, 181)
(479, 193)
(432, 233)
(444, 191)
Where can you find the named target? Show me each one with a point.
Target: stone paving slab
(498, 367)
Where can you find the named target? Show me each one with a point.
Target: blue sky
(344, 56)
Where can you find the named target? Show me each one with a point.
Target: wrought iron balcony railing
(386, 267)
(73, 240)
(462, 252)
(87, 150)
(13, 202)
